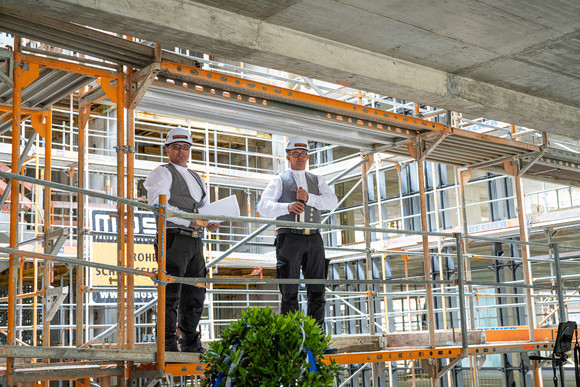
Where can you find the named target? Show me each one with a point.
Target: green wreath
(266, 349)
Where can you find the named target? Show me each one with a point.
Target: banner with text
(104, 249)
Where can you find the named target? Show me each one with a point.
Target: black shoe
(191, 343)
(330, 351)
(171, 346)
(193, 349)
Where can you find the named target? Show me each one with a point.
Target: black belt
(189, 233)
(298, 231)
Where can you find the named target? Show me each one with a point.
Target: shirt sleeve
(205, 200)
(268, 205)
(327, 200)
(159, 183)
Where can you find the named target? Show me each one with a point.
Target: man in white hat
(185, 192)
(289, 195)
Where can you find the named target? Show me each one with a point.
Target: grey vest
(180, 196)
(289, 187)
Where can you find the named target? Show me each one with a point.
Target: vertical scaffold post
(48, 266)
(13, 263)
(130, 301)
(130, 227)
(121, 256)
(84, 112)
(461, 287)
(426, 258)
(559, 283)
(368, 262)
(367, 237)
(525, 257)
(463, 178)
(162, 266)
(526, 267)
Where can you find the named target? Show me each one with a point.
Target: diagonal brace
(8, 55)
(139, 82)
(27, 147)
(54, 240)
(530, 164)
(433, 146)
(449, 366)
(53, 298)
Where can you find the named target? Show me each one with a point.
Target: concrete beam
(229, 35)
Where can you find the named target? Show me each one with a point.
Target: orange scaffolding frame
(124, 89)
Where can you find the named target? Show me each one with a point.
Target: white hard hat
(178, 135)
(297, 142)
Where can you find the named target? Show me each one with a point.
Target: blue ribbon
(216, 382)
(156, 280)
(311, 360)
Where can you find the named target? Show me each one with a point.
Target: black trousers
(295, 251)
(184, 303)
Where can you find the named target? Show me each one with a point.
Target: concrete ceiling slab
(407, 25)
(515, 62)
(528, 78)
(559, 15)
(467, 23)
(257, 9)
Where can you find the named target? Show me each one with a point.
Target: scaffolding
(416, 276)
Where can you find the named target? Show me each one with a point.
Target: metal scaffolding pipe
(461, 289)
(121, 257)
(559, 284)
(84, 191)
(13, 264)
(76, 262)
(510, 241)
(161, 289)
(367, 238)
(130, 305)
(257, 220)
(47, 221)
(368, 260)
(84, 111)
(426, 257)
(354, 187)
(526, 267)
(27, 147)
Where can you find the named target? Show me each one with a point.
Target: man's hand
(198, 223)
(296, 207)
(213, 226)
(302, 194)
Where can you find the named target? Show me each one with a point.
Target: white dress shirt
(159, 183)
(270, 208)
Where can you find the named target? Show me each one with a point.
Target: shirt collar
(178, 166)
